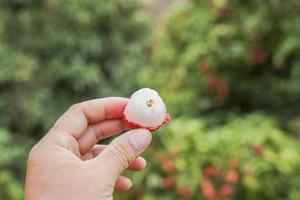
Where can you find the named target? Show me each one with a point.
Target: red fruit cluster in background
(231, 176)
(258, 149)
(211, 170)
(183, 191)
(167, 183)
(207, 189)
(226, 190)
(167, 164)
(257, 55)
(233, 163)
(215, 83)
(217, 183)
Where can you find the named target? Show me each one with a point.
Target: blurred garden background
(229, 71)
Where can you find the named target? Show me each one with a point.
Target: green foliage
(217, 59)
(249, 156)
(10, 167)
(56, 53)
(224, 54)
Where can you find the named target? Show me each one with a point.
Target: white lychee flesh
(146, 108)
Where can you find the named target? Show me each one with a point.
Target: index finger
(77, 118)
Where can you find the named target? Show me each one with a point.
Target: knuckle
(33, 155)
(124, 154)
(75, 106)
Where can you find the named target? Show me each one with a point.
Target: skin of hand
(67, 164)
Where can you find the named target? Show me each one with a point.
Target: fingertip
(127, 183)
(139, 164)
(123, 184)
(140, 138)
(124, 150)
(143, 161)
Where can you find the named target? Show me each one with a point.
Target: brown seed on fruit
(150, 103)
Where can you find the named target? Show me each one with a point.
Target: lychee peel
(133, 125)
(145, 109)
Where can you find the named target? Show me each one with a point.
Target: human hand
(68, 164)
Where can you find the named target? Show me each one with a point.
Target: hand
(67, 163)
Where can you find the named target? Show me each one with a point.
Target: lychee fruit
(146, 109)
(183, 191)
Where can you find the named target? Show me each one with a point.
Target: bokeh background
(229, 71)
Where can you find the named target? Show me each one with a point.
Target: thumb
(123, 150)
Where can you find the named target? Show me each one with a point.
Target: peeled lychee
(146, 109)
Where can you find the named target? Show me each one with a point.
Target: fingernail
(144, 161)
(140, 138)
(129, 184)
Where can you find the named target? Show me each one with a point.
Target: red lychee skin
(231, 176)
(183, 191)
(167, 182)
(258, 149)
(168, 165)
(211, 170)
(207, 188)
(133, 125)
(226, 190)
